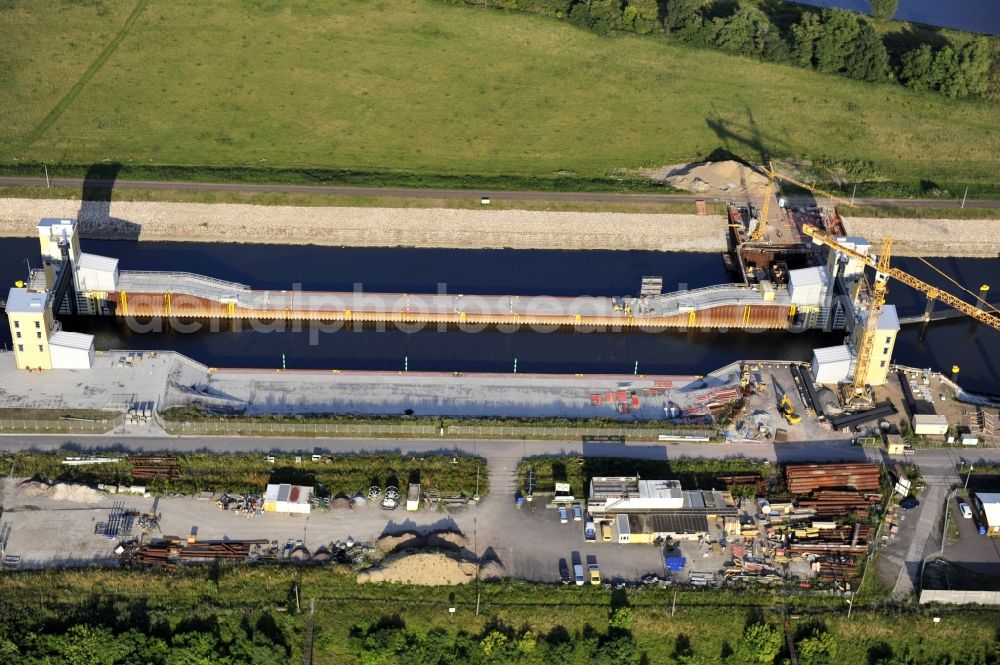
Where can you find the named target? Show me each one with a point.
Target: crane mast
(855, 391)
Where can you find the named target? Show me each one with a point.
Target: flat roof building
(285, 498)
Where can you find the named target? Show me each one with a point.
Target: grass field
(417, 91)
(705, 619)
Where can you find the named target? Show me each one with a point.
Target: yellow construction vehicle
(788, 411)
(855, 392)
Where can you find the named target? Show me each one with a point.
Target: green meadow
(425, 92)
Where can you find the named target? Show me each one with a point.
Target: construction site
(794, 267)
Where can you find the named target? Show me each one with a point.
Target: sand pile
(425, 568)
(438, 540)
(713, 179)
(62, 492)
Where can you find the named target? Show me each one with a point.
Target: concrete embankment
(458, 228)
(931, 237)
(371, 227)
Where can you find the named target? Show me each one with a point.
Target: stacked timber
(807, 478)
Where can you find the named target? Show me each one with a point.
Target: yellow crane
(771, 174)
(855, 391)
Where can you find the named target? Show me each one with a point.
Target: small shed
(285, 498)
(413, 497)
(930, 424)
(989, 505)
(968, 439)
(624, 531)
(69, 350)
(831, 364)
(895, 445)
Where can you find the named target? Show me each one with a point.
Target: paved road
(447, 193)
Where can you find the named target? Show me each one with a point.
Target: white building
(96, 273)
(808, 286)
(69, 350)
(832, 364)
(612, 494)
(930, 424)
(285, 498)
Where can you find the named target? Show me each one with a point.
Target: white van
(578, 574)
(963, 508)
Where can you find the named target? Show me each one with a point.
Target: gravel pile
(373, 227)
(62, 492)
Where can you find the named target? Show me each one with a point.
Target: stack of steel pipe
(806, 478)
(831, 503)
(155, 467)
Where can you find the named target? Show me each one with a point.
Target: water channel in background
(499, 272)
(981, 16)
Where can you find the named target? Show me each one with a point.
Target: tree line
(832, 41)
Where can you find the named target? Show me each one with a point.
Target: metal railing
(180, 282)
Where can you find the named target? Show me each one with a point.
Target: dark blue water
(496, 272)
(982, 16)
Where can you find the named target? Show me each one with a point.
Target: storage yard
(820, 530)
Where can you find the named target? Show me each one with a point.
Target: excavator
(788, 411)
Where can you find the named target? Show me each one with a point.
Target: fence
(417, 430)
(60, 426)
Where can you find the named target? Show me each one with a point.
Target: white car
(963, 508)
(563, 515)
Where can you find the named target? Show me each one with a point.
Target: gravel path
(372, 227)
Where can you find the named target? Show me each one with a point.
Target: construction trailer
(930, 424)
(285, 498)
(989, 506)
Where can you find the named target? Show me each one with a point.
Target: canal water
(981, 16)
(559, 273)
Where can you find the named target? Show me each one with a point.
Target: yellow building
(885, 342)
(31, 323)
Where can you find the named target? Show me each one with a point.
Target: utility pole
(47, 182)
(853, 193)
(635, 372)
(966, 487)
(965, 195)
